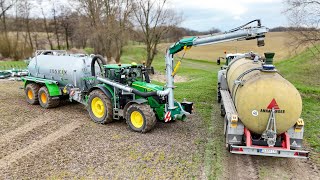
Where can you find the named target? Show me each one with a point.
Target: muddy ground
(62, 143)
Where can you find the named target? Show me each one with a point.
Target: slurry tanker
(261, 109)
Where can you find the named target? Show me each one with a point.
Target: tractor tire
(100, 107)
(31, 91)
(141, 118)
(222, 111)
(46, 101)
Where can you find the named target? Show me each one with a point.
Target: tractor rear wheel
(32, 90)
(100, 107)
(45, 100)
(141, 118)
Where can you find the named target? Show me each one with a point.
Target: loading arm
(243, 32)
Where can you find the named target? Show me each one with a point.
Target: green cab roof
(117, 66)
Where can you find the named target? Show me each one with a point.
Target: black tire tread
(106, 99)
(150, 117)
(51, 103)
(35, 89)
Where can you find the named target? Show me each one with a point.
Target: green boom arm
(241, 33)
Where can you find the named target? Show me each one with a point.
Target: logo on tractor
(273, 104)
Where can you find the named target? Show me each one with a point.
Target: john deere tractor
(109, 91)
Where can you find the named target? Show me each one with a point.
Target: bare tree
(122, 24)
(110, 21)
(304, 16)
(66, 21)
(25, 8)
(154, 19)
(55, 13)
(5, 5)
(46, 27)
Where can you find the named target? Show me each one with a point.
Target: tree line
(105, 26)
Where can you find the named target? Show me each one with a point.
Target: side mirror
(218, 61)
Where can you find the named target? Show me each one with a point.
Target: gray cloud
(205, 17)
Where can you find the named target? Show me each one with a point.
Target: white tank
(65, 69)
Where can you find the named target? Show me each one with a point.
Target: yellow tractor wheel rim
(43, 98)
(136, 119)
(30, 94)
(97, 107)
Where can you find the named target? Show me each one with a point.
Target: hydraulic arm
(244, 32)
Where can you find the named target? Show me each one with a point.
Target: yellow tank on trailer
(256, 92)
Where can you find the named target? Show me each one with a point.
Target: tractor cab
(126, 73)
(230, 57)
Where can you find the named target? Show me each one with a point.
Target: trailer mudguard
(51, 85)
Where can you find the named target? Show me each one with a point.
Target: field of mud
(63, 142)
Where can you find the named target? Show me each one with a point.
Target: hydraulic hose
(144, 94)
(136, 92)
(95, 59)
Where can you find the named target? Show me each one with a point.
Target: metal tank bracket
(270, 134)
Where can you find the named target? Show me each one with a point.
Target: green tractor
(109, 91)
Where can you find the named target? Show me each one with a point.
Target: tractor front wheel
(141, 118)
(32, 90)
(100, 107)
(46, 101)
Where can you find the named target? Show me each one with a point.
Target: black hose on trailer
(240, 27)
(144, 94)
(101, 61)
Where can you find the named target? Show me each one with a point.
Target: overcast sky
(226, 14)
(202, 15)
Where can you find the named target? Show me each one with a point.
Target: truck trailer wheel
(45, 100)
(222, 110)
(140, 118)
(100, 107)
(32, 90)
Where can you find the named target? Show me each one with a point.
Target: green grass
(303, 71)
(5, 65)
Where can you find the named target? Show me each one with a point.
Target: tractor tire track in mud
(13, 157)
(23, 129)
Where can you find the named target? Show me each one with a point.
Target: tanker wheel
(100, 107)
(223, 111)
(31, 91)
(45, 100)
(141, 118)
(219, 96)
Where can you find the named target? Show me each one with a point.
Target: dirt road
(63, 143)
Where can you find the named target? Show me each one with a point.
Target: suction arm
(240, 33)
